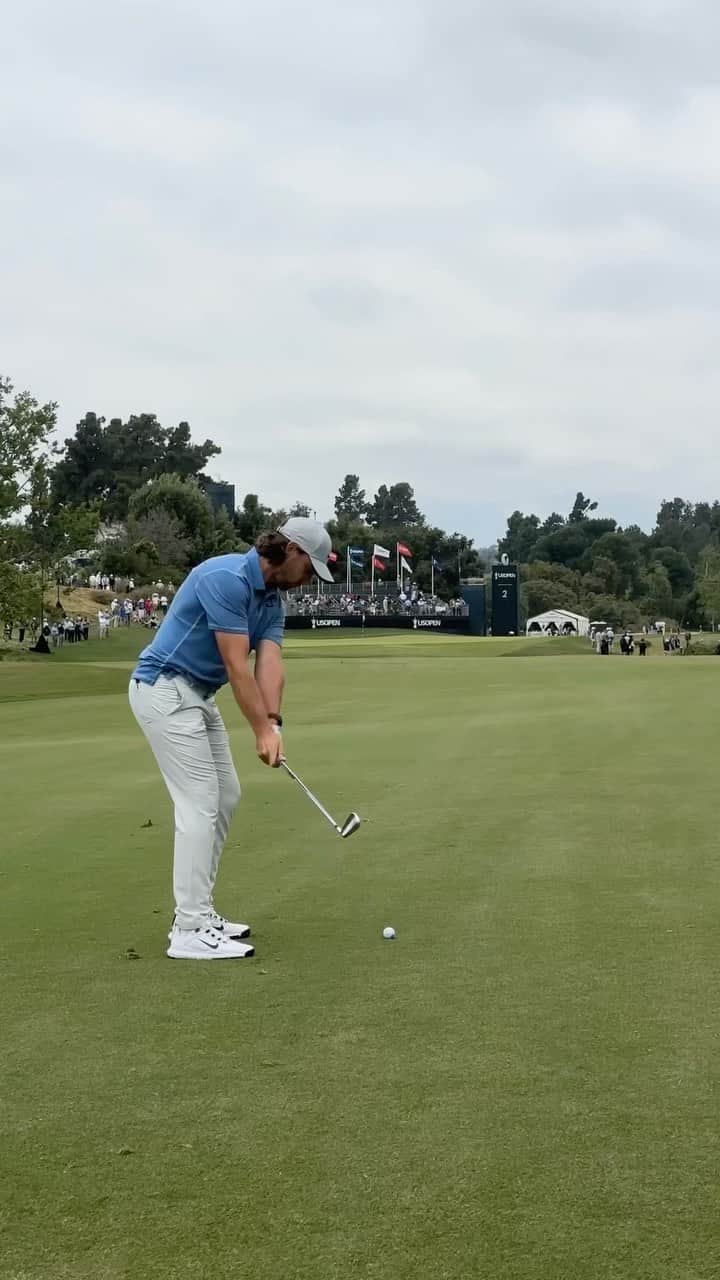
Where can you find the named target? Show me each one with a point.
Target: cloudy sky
(471, 245)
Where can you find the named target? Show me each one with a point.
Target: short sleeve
(224, 597)
(274, 625)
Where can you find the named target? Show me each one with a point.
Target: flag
(332, 558)
(436, 564)
(380, 551)
(407, 568)
(403, 550)
(378, 564)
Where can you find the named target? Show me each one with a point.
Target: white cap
(313, 538)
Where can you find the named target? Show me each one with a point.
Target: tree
(252, 518)
(549, 586)
(163, 532)
(183, 458)
(679, 569)
(186, 503)
(708, 582)
(617, 613)
(623, 552)
(298, 509)
(19, 593)
(553, 522)
(394, 508)
(85, 473)
(567, 545)
(657, 592)
(225, 535)
(350, 501)
(581, 507)
(51, 535)
(540, 594)
(604, 578)
(520, 538)
(25, 427)
(109, 463)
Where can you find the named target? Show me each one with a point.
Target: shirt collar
(254, 572)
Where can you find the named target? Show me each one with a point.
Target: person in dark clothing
(642, 646)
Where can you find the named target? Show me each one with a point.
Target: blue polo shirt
(227, 593)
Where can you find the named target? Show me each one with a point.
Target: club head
(351, 824)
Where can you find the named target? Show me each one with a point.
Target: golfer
(227, 608)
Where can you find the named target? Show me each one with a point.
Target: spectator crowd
(411, 603)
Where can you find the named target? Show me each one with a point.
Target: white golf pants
(190, 743)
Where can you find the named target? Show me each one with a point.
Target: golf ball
(388, 931)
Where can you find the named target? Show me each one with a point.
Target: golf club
(351, 823)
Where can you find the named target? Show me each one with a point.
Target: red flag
(333, 557)
(404, 551)
(379, 564)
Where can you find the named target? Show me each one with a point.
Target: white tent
(557, 622)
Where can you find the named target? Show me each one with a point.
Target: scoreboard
(505, 600)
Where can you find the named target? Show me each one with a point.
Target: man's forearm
(249, 698)
(270, 679)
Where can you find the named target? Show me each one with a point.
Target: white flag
(407, 568)
(381, 551)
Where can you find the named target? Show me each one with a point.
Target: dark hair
(272, 547)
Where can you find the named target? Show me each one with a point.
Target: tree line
(143, 489)
(146, 487)
(624, 576)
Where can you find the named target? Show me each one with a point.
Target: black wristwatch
(277, 718)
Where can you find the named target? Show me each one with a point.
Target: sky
(474, 246)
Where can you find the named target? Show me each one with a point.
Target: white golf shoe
(206, 944)
(227, 927)
(215, 921)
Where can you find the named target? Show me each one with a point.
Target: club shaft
(310, 795)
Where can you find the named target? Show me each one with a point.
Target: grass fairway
(524, 1086)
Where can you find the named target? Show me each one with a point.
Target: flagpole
(397, 564)
(432, 575)
(347, 575)
(372, 579)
